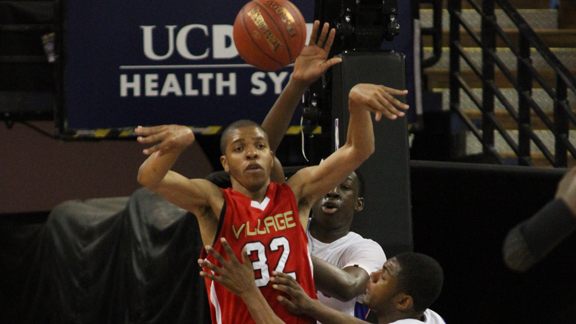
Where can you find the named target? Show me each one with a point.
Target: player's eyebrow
(386, 270)
(240, 139)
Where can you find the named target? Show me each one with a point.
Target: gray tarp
(106, 260)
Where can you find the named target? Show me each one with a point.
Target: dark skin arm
(309, 66)
(342, 284)
(238, 278)
(300, 303)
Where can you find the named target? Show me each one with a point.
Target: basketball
(269, 34)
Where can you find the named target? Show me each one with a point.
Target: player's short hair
(421, 277)
(234, 126)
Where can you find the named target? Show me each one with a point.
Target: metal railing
(526, 74)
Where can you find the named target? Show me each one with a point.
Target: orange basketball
(269, 34)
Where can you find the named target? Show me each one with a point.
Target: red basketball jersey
(275, 241)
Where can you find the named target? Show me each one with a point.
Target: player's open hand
(298, 300)
(312, 61)
(378, 99)
(166, 137)
(236, 276)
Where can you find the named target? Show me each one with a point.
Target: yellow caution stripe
(128, 132)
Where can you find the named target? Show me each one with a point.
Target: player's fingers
(396, 102)
(314, 34)
(333, 61)
(210, 266)
(399, 103)
(146, 139)
(282, 287)
(389, 107)
(228, 250)
(323, 35)
(391, 103)
(210, 276)
(245, 258)
(395, 91)
(152, 149)
(330, 40)
(215, 254)
(284, 279)
(288, 304)
(148, 130)
(282, 275)
(286, 289)
(384, 111)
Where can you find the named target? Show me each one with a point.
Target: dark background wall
(38, 172)
(461, 214)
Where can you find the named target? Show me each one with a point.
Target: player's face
(336, 209)
(248, 157)
(381, 289)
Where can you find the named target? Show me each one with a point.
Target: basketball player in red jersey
(266, 218)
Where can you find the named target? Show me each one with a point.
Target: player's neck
(327, 236)
(256, 195)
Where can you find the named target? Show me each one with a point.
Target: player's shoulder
(431, 317)
(298, 181)
(357, 245)
(359, 239)
(300, 176)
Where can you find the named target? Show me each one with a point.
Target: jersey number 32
(261, 264)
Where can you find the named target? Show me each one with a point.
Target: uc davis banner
(155, 62)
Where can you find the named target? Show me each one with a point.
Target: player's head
(233, 127)
(406, 285)
(337, 208)
(246, 154)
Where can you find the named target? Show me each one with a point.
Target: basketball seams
(244, 37)
(256, 44)
(280, 31)
(298, 22)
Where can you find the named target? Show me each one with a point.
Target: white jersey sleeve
(364, 253)
(430, 317)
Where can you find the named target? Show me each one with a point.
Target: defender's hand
(236, 276)
(298, 300)
(312, 63)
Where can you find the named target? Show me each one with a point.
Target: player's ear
(224, 163)
(359, 204)
(404, 302)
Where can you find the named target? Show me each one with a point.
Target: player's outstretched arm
(310, 65)
(342, 284)
(311, 183)
(300, 303)
(238, 278)
(167, 143)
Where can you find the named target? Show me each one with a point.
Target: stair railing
(523, 82)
